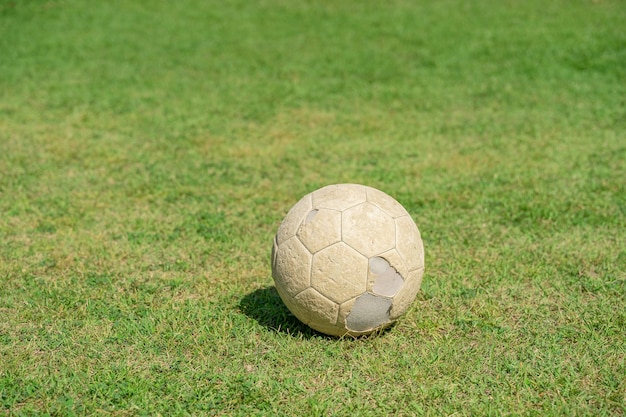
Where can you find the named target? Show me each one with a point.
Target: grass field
(150, 149)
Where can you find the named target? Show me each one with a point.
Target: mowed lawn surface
(150, 149)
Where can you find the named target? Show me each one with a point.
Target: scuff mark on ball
(388, 280)
(369, 312)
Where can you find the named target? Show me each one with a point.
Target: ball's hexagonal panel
(293, 219)
(339, 272)
(339, 196)
(387, 203)
(320, 228)
(368, 229)
(409, 242)
(313, 309)
(384, 279)
(406, 295)
(292, 268)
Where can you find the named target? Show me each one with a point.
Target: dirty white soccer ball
(347, 260)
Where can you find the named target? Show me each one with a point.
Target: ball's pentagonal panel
(339, 197)
(347, 260)
(292, 268)
(339, 272)
(404, 298)
(293, 219)
(368, 313)
(409, 242)
(385, 202)
(320, 228)
(314, 309)
(368, 229)
(384, 278)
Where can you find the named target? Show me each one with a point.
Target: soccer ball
(347, 260)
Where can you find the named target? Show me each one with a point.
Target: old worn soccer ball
(347, 260)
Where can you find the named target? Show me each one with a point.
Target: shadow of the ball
(265, 306)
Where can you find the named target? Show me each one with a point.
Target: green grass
(149, 150)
